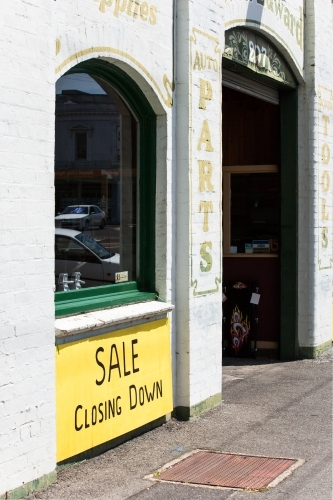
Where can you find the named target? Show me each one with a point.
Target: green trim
(314, 351)
(31, 487)
(289, 225)
(99, 297)
(240, 69)
(131, 93)
(188, 412)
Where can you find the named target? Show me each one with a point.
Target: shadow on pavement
(233, 361)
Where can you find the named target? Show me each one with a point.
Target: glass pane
(81, 146)
(70, 249)
(254, 220)
(95, 183)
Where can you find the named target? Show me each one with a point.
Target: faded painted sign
(254, 52)
(325, 177)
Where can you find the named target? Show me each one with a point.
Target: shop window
(102, 230)
(251, 210)
(251, 186)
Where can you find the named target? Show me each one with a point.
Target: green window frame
(89, 299)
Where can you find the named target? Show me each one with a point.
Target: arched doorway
(259, 140)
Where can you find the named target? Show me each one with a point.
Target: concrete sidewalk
(269, 408)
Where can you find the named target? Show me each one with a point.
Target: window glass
(254, 212)
(75, 210)
(67, 248)
(96, 206)
(95, 247)
(81, 146)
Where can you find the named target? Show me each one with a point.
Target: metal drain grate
(227, 470)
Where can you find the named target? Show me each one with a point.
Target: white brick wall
(315, 278)
(27, 412)
(145, 50)
(198, 318)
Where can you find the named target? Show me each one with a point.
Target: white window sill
(98, 320)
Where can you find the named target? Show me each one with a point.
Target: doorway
(251, 222)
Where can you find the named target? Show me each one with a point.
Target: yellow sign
(111, 384)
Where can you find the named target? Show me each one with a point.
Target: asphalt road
(269, 408)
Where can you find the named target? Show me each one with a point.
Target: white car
(78, 252)
(81, 217)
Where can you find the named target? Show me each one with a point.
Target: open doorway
(251, 222)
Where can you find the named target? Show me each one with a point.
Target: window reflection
(95, 182)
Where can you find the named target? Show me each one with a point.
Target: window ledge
(97, 320)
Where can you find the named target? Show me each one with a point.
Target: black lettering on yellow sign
(135, 370)
(97, 414)
(142, 394)
(84, 418)
(77, 427)
(114, 352)
(123, 366)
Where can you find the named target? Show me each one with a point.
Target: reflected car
(77, 252)
(81, 217)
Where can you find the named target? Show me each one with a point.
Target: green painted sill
(101, 297)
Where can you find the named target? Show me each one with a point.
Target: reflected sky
(254, 11)
(78, 81)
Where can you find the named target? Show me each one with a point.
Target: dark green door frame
(289, 225)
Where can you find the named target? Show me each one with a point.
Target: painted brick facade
(27, 436)
(159, 54)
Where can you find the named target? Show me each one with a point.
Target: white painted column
(199, 193)
(316, 182)
(27, 378)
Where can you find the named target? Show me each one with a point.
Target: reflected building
(87, 152)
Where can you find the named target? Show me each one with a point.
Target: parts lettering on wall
(206, 183)
(325, 177)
